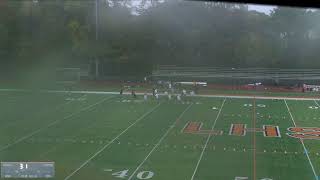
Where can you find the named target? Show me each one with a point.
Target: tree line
(133, 37)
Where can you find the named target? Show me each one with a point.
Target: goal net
(68, 75)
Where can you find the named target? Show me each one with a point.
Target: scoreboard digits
(23, 166)
(27, 169)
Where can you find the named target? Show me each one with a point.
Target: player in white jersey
(169, 96)
(145, 96)
(192, 93)
(157, 96)
(184, 92)
(179, 97)
(171, 88)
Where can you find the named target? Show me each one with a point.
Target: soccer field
(109, 137)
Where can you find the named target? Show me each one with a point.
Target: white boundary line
(245, 130)
(208, 138)
(187, 124)
(56, 146)
(68, 102)
(50, 110)
(217, 95)
(200, 127)
(159, 142)
(304, 147)
(107, 145)
(53, 123)
(231, 128)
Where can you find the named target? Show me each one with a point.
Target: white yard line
(208, 139)
(53, 123)
(50, 110)
(159, 142)
(197, 95)
(304, 147)
(107, 145)
(55, 147)
(68, 102)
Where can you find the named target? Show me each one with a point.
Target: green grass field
(108, 137)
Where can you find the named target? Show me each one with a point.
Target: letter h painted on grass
(267, 130)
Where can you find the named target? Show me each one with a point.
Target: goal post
(68, 75)
(67, 78)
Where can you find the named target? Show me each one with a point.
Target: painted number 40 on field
(141, 175)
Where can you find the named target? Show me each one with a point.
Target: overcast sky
(262, 8)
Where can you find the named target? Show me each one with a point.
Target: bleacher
(240, 75)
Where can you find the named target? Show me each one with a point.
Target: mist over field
(133, 37)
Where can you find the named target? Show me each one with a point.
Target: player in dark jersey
(133, 93)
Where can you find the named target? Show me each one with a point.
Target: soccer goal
(67, 77)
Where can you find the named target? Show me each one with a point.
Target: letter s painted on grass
(304, 133)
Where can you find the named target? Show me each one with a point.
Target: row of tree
(132, 37)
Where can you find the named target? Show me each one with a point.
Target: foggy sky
(262, 8)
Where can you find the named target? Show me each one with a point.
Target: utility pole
(31, 24)
(97, 36)
(97, 20)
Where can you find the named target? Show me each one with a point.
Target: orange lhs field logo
(304, 132)
(195, 128)
(267, 130)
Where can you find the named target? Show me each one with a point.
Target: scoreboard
(27, 169)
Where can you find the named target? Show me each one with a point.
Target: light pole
(97, 19)
(97, 32)
(34, 2)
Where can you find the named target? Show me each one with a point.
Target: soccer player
(121, 91)
(169, 96)
(184, 92)
(196, 88)
(192, 93)
(133, 94)
(179, 97)
(145, 96)
(171, 88)
(166, 93)
(157, 96)
(153, 92)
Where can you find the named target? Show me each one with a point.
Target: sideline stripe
(159, 142)
(208, 138)
(53, 123)
(304, 147)
(107, 145)
(196, 95)
(68, 102)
